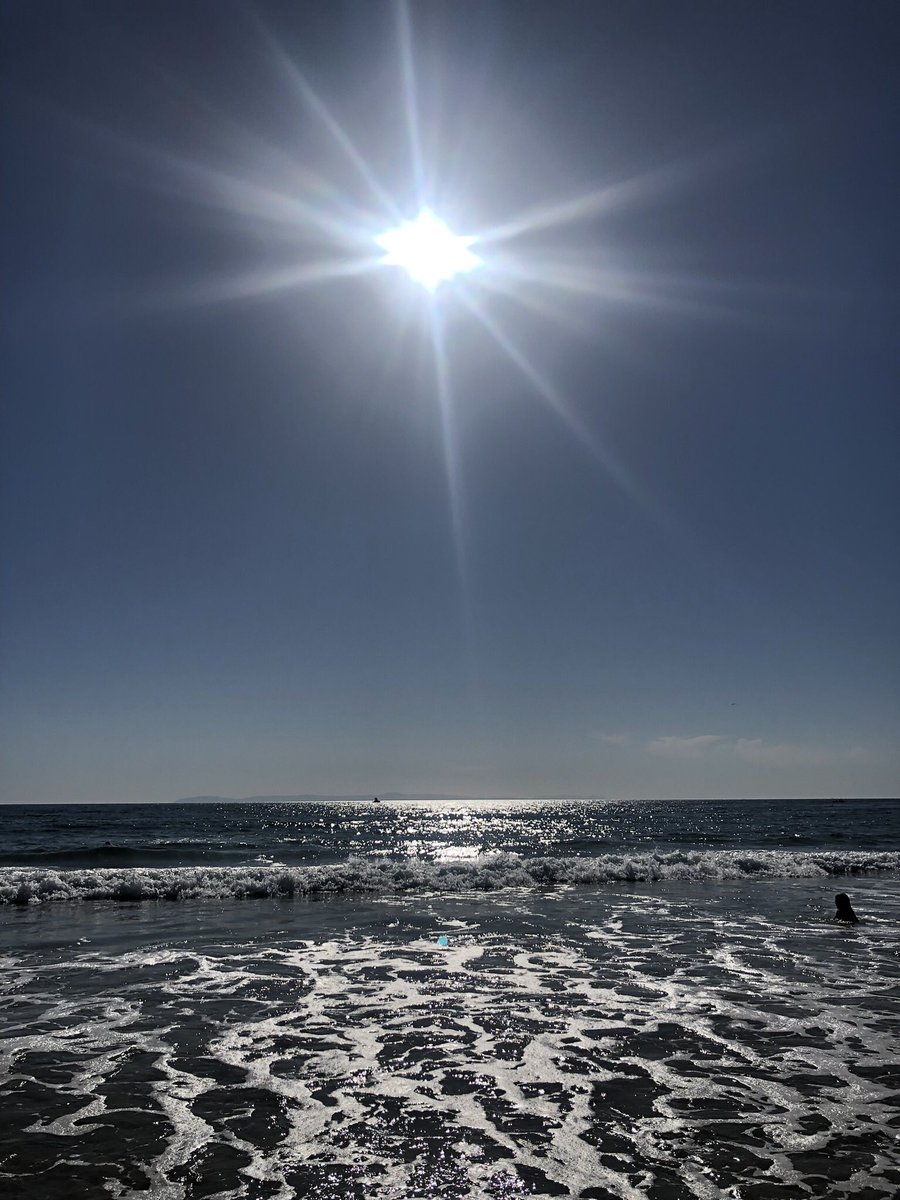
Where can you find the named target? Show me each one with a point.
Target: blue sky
(646, 543)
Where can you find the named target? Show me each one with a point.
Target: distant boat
(376, 801)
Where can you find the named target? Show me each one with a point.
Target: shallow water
(636, 1041)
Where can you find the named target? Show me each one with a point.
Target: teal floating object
(443, 940)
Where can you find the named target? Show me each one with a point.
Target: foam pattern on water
(27, 885)
(644, 1046)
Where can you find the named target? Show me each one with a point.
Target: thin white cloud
(862, 754)
(613, 739)
(771, 754)
(753, 750)
(686, 747)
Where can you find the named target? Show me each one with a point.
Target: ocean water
(448, 999)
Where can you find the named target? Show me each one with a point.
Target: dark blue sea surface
(486, 999)
(281, 847)
(310, 832)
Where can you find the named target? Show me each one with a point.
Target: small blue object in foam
(443, 940)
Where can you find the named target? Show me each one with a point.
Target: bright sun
(427, 250)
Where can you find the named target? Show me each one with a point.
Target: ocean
(491, 998)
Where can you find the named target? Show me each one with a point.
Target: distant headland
(307, 798)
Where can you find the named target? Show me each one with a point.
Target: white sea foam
(28, 885)
(656, 1047)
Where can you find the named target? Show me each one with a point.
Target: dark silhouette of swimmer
(844, 909)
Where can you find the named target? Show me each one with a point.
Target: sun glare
(427, 250)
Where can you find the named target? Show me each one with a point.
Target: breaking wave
(21, 885)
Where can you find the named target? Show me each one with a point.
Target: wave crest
(19, 885)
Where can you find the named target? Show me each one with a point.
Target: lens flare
(427, 250)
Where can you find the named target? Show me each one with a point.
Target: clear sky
(615, 514)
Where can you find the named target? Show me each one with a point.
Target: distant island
(429, 796)
(308, 798)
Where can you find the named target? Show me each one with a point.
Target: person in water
(844, 909)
